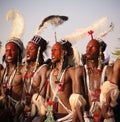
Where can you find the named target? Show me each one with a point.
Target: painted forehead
(57, 45)
(93, 43)
(11, 44)
(30, 43)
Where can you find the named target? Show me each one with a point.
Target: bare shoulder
(22, 68)
(109, 71)
(1, 74)
(70, 72)
(42, 68)
(117, 63)
(109, 68)
(118, 60)
(45, 66)
(79, 69)
(76, 71)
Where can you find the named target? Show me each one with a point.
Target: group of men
(73, 91)
(58, 89)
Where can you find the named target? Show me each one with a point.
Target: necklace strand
(5, 79)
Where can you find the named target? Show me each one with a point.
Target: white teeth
(28, 55)
(53, 57)
(9, 57)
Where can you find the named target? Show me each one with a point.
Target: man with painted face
(11, 78)
(33, 71)
(95, 74)
(63, 91)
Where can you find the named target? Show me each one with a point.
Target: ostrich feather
(81, 33)
(76, 57)
(106, 32)
(17, 24)
(54, 20)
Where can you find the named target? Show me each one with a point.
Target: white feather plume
(76, 57)
(17, 24)
(54, 20)
(81, 33)
(103, 34)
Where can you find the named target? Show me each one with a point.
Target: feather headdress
(17, 24)
(76, 56)
(17, 28)
(81, 33)
(103, 34)
(54, 20)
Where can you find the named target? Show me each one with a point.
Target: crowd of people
(58, 89)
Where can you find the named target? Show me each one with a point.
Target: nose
(8, 52)
(88, 49)
(52, 52)
(27, 51)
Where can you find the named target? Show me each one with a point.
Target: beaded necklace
(32, 74)
(8, 83)
(59, 87)
(88, 79)
(30, 77)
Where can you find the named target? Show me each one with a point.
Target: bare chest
(59, 82)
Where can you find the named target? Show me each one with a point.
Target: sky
(81, 14)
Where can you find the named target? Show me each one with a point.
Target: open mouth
(9, 57)
(53, 57)
(28, 55)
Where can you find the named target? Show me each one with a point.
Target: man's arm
(116, 72)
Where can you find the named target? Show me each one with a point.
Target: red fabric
(54, 104)
(25, 75)
(99, 70)
(96, 115)
(95, 95)
(47, 82)
(31, 75)
(50, 102)
(4, 85)
(60, 88)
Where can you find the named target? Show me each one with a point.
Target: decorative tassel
(91, 33)
(49, 114)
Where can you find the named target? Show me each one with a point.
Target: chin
(54, 61)
(10, 60)
(88, 57)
